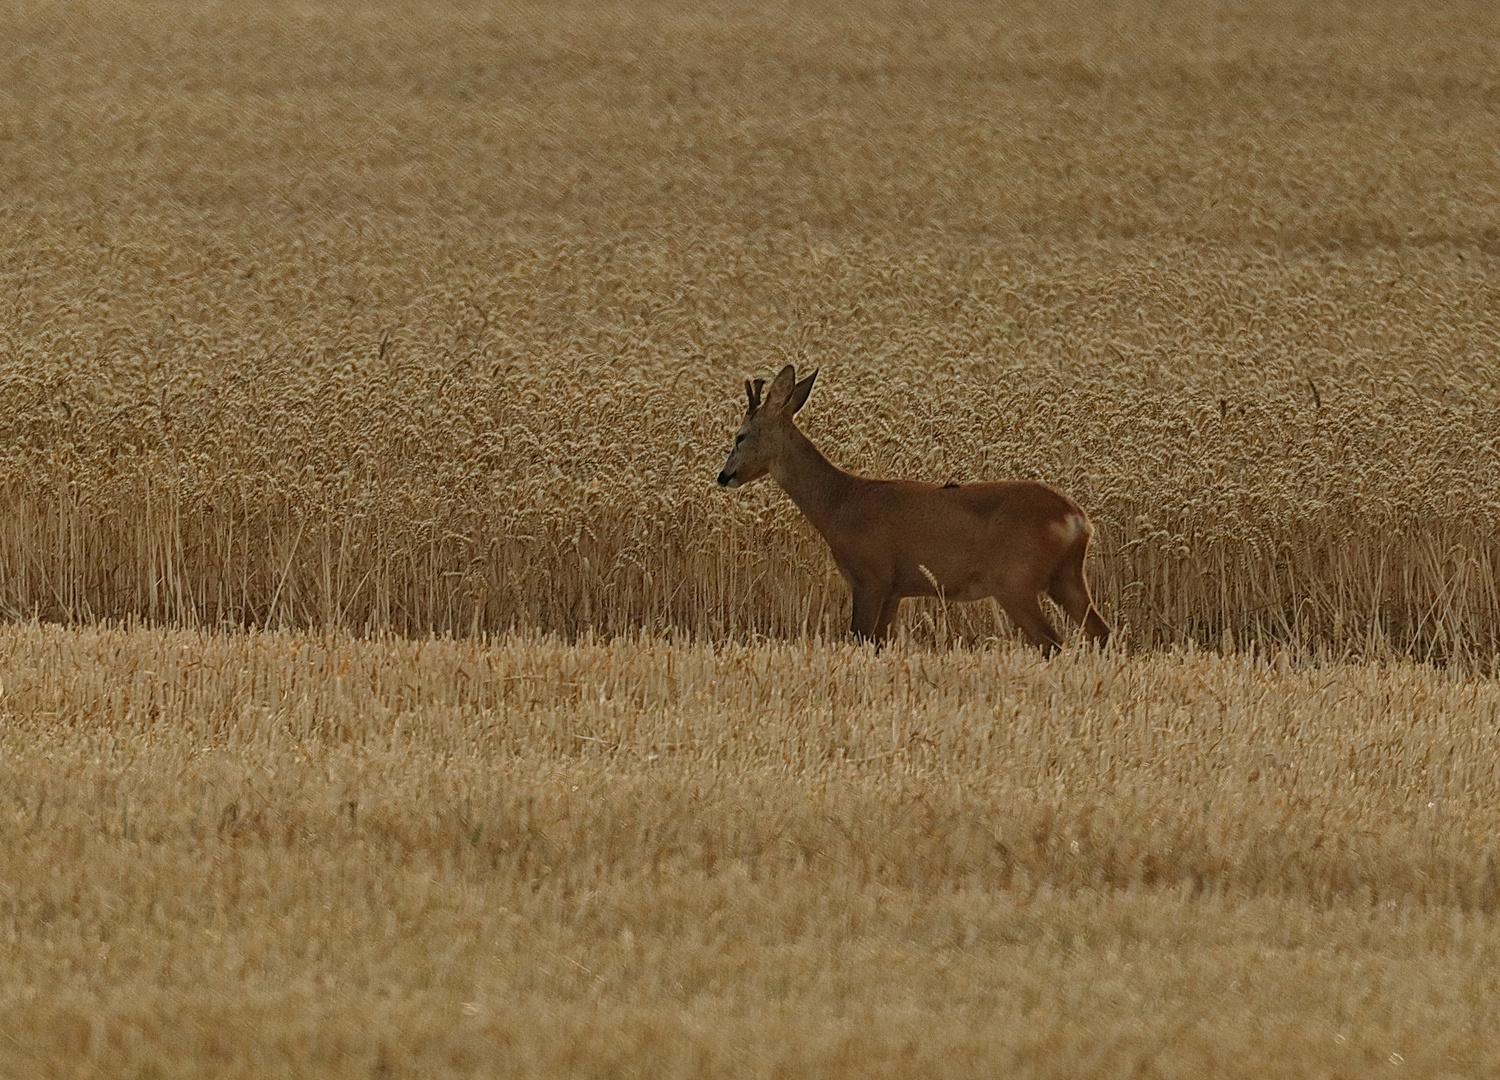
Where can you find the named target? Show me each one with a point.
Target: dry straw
(330, 854)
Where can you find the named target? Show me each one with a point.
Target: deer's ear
(799, 393)
(781, 388)
(752, 391)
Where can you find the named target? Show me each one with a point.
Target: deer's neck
(816, 485)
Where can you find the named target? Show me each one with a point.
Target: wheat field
(389, 691)
(435, 317)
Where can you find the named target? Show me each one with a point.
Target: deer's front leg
(888, 613)
(869, 602)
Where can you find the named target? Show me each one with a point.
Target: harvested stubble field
(361, 320)
(278, 854)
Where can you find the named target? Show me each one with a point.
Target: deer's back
(999, 501)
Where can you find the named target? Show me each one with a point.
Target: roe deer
(896, 538)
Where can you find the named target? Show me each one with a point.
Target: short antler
(752, 391)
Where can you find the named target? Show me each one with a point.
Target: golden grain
(308, 327)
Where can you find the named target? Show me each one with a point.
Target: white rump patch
(1070, 528)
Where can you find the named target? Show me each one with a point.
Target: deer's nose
(724, 479)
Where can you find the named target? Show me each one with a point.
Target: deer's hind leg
(1025, 610)
(1070, 589)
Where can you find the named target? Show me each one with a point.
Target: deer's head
(764, 435)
